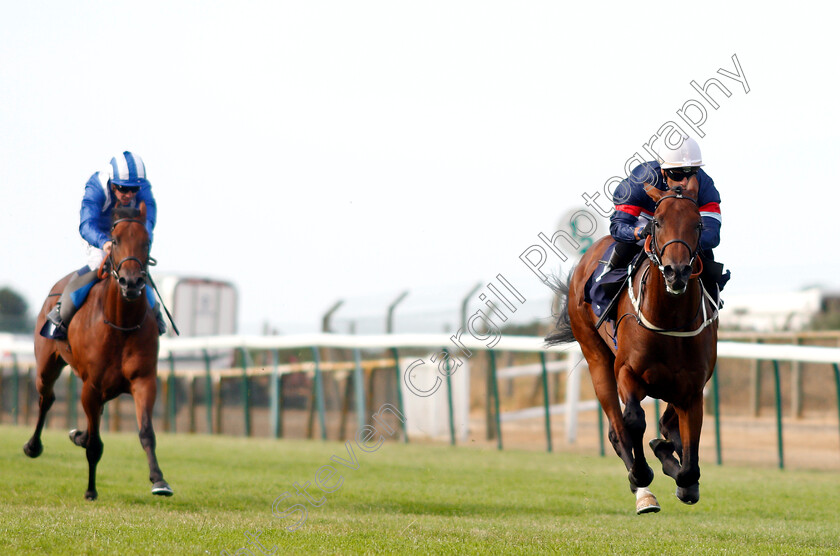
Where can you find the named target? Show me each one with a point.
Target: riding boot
(620, 257)
(54, 316)
(73, 295)
(161, 324)
(713, 275)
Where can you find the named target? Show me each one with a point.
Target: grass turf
(401, 499)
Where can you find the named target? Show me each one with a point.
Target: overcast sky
(313, 151)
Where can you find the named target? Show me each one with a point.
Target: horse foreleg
(626, 436)
(92, 404)
(48, 373)
(641, 475)
(144, 393)
(688, 477)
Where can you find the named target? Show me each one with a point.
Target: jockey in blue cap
(631, 221)
(124, 184)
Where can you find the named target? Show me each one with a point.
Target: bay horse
(663, 345)
(112, 345)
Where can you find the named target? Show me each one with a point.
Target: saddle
(603, 289)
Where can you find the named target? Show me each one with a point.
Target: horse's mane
(125, 212)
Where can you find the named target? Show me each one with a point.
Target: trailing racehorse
(112, 344)
(663, 344)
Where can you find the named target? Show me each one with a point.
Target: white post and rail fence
(432, 392)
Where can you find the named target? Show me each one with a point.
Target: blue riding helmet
(128, 170)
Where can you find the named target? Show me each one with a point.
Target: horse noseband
(652, 249)
(115, 268)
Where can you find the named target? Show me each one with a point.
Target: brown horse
(112, 344)
(663, 345)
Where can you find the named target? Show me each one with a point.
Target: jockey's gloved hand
(643, 231)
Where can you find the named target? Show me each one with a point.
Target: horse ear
(692, 189)
(143, 210)
(652, 192)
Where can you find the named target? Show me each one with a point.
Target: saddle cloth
(601, 288)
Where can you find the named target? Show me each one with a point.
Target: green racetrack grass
(402, 499)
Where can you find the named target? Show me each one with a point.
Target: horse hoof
(666, 446)
(32, 449)
(75, 434)
(90, 495)
(689, 495)
(161, 488)
(646, 502)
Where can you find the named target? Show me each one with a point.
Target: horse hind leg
(144, 393)
(664, 450)
(676, 425)
(48, 372)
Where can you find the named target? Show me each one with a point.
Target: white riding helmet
(686, 155)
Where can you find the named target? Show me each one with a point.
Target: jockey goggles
(679, 174)
(126, 188)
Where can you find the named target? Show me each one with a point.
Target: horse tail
(563, 331)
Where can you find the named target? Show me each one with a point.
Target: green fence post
(105, 417)
(208, 390)
(716, 396)
(319, 393)
(778, 413)
(400, 407)
(171, 401)
(837, 384)
(274, 389)
(15, 388)
(656, 410)
(546, 401)
(359, 385)
(495, 390)
(71, 400)
(601, 450)
(246, 393)
(449, 399)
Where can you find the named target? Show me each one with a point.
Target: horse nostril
(685, 273)
(668, 272)
(122, 281)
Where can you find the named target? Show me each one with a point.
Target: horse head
(130, 246)
(674, 241)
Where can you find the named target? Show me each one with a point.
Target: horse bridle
(115, 271)
(115, 267)
(654, 252)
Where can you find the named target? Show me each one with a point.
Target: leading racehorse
(112, 344)
(663, 344)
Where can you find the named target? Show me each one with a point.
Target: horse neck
(120, 311)
(666, 310)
